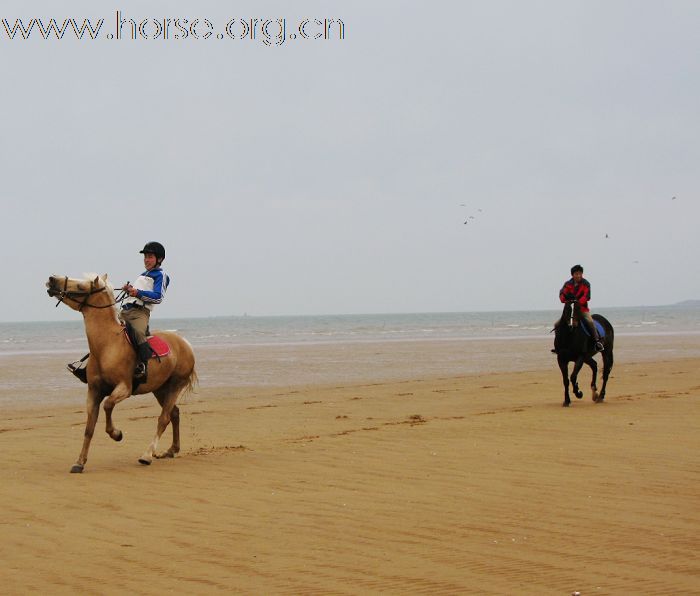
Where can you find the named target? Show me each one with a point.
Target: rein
(65, 295)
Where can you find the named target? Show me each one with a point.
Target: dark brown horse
(573, 344)
(111, 364)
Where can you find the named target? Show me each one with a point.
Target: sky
(324, 176)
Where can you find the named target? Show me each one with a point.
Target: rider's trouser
(138, 317)
(591, 325)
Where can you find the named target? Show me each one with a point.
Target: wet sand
(394, 478)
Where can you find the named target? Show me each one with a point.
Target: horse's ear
(104, 278)
(96, 280)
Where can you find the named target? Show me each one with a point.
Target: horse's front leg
(564, 368)
(590, 361)
(574, 378)
(93, 411)
(120, 393)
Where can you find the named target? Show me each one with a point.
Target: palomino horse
(111, 364)
(572, 344)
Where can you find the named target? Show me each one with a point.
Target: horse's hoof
(77, 469)
(144, 461)
(566, 404)
(119, 437)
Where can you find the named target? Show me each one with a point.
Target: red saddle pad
(159, 346)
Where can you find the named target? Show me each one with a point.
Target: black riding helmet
(156, 248)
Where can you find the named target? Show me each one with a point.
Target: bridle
(64, 294)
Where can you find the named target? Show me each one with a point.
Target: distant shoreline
(360, 342)
(684, 304)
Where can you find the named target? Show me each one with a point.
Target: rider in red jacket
(578, 289)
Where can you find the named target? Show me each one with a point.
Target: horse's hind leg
(93, 411)
(174, 449)
(167, 398)
(590, 361)
(607, 367)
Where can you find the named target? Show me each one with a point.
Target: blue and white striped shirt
(151, 286)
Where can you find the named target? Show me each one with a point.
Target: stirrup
(599, 346)
(75, 368)
(140, 371)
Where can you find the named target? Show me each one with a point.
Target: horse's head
(567, 330)
(91, 290)
(571, 314)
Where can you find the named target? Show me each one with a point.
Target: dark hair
(576, 268)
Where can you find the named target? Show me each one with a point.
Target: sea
(284, 351)
(68, 337)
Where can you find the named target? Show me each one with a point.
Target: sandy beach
(396, 478)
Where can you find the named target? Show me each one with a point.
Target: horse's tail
(192, 383)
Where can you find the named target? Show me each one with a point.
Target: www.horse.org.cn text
(270, 32)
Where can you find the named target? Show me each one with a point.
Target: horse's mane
(90, 276)
(103, 281)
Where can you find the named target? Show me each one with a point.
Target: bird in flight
(471, 217)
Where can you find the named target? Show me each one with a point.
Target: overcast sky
(335, 176)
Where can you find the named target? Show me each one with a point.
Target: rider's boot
(599, 347)
(598, 343)
(78, 369)
(141, 370)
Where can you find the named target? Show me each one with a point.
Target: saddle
(598, 326)
(159, 347)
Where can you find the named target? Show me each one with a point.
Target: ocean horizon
(45, 337)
